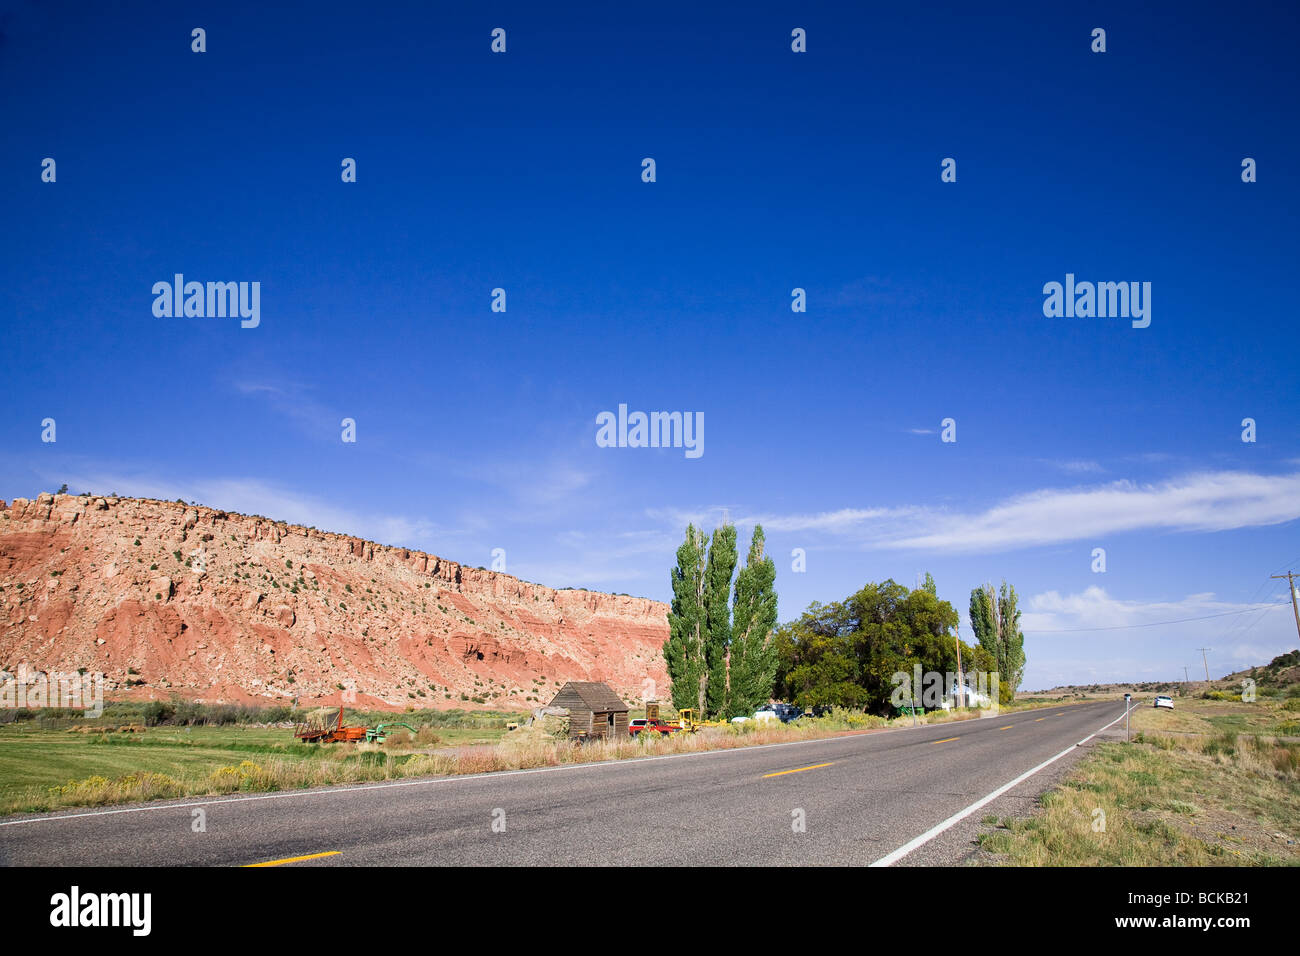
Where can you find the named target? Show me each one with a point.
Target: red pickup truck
(653, 725)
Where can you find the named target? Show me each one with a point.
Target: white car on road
(1166, 702)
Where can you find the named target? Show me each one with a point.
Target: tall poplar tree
(717, 616)
(1013, 639)
(995, 619)
(684, 650)
(753, 659)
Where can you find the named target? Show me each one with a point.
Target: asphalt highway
(857, 800)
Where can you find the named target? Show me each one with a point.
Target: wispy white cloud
(1052, 611)
(534, 488)
(295, 403)
(545, 484)
(1151, 457)
(620, 544)
(1207, 501)
(581, 573)
(836, 522)
(1204, 502)
(596, 559)
(845, 521)
(1074, 466)
(1131, 640)
(1218, 501)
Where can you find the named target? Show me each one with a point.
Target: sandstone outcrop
(166, 598)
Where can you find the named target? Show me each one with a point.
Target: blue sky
(775, 170)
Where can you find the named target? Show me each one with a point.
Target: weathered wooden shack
(594, 709)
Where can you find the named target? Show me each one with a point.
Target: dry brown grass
(1164, 801)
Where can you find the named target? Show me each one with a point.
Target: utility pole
(1205, 662)
(1186, 679)
(1290, 580)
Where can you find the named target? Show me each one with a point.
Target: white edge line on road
(455, 778)
(956, 818)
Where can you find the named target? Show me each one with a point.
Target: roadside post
(1128, 735)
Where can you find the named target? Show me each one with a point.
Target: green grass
(32, 759)
(457, 736)
(44, 763)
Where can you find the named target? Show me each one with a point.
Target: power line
(1239, 634)
(1241, 628)
(1236, 633)
(1125, 627)
(1295, 605)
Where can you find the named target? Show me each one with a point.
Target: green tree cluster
(846, 653)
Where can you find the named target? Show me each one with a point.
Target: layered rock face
(171, 599)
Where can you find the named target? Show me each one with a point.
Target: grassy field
(1208, 783)
(34, 758)
(53, 761)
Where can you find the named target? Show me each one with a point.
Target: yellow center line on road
(1037, 719)
(945, 740)
(782, 773)
(1060, 715)
(1007, 727)
(293, 859)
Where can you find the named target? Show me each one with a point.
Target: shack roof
(597, 695)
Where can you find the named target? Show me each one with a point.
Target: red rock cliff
(166, 598)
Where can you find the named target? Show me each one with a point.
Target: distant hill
(1277, 678)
